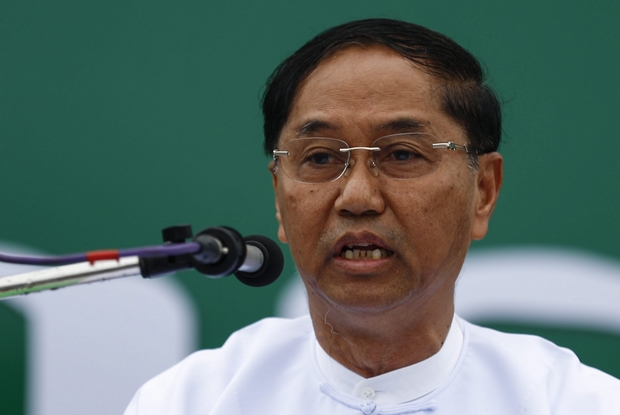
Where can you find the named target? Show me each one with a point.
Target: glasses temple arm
(451, 145)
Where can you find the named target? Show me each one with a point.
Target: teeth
(360, 244)
(363, 254)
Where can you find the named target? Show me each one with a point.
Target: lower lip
(362, 266)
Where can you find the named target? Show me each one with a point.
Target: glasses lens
(404, 156)
(314, 160)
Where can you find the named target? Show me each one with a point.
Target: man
(384, 140)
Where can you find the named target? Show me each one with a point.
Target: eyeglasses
(398, 156)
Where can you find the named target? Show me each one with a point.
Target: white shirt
(271, 367)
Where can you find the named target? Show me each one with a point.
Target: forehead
(372, 89)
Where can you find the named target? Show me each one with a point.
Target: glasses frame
(448, 145)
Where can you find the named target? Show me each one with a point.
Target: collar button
(368, 393)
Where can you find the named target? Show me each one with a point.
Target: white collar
(401, 385)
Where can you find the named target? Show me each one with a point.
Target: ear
(274, 178)
(489, 176)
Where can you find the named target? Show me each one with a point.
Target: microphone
(254, 260)
(258, 272)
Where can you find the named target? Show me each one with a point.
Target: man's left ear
(489, 176)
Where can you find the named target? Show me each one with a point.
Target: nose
(361, 193)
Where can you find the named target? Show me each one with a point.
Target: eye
(320, 158)
(404, 148)
(403, 155)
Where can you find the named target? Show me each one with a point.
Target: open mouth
(364, 251)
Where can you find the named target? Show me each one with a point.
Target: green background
(119, 118)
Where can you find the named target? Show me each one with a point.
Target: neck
(376, 343)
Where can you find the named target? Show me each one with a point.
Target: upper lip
(356, 238)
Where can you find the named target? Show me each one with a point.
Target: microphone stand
(255, 261)
(68, 275)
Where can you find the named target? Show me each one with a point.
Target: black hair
(465, 97)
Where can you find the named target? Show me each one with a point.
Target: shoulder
(265, 338)
(522, 348)
(245, 356)
(540, 369)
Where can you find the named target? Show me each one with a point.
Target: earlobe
(489, 182)
(274, 178)
(281, 233)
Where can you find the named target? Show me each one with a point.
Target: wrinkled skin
(378, 315)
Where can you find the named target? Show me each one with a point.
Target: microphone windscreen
(273, 262)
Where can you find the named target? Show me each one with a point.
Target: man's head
(463, 94)
(375, 238)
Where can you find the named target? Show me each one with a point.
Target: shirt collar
(401, 385)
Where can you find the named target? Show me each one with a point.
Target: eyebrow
(401, 125)
(314, 126)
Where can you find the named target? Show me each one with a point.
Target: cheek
(434, 210)
(302, 211)
(452, 219)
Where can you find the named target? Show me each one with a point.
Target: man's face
(424, 224)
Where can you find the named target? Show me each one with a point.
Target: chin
(365, 301)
